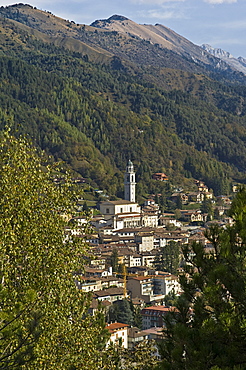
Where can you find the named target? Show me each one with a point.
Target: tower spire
(129, 182)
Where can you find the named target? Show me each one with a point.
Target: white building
(118, 333)
(112, 208)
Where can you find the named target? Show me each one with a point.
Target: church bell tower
(129, 182)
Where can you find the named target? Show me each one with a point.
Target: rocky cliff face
(237, 63)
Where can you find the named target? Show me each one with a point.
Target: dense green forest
(94, 116)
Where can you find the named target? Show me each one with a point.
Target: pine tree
(121, 312)
(115, 260)
(208, 331)
(169, 257)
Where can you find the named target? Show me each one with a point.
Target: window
(107, 210)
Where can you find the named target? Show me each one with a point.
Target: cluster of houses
(135, 235)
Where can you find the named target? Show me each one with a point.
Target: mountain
(158, 35)
(237, 63)
(166, 38)
(94, 97)
(149, 45)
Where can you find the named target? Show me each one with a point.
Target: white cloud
(160, 14)
(220, 1)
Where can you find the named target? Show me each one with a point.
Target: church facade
(127, 213)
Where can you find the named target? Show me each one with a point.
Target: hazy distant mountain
(237, 63)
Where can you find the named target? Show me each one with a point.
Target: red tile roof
(116, 326)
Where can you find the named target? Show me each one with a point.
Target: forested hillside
(94, 109)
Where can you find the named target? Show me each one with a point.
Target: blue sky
(220, 23)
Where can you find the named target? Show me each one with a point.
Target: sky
(219, 23)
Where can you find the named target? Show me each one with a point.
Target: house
(162, 238)
(167, 219)
(98, 222)
(199, 238)
(91, 284)
(154, 333)
(149, 218)
(196, 197)
(148, 257)
(118, 334)
(165, 284)
(140, 287)
(201, 187)
(184, 197)
(89, 271)
(99, 262)
(194, 215)
(135, 336)
(224, 199)
(150, 202)
(143, 287)
(160, 176)
(133, 259)
(145, 241)
(150, 206)
(153, 316)
(112, 281)
(96, 305)
(126, 220)
(235, 188)
(111, 294)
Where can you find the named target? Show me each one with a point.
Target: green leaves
(43, 316)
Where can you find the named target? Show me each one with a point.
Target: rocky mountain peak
(217, 52)
(237, 63)
(116, 17)
(104, 22)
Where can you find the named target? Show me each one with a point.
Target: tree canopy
(43, 316)
(169, 257)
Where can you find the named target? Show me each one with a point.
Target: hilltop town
(137, 253)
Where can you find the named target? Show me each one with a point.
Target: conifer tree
(208, 331)
(169, 257)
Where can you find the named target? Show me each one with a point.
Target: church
(127, 213)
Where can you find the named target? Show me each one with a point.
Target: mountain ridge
(237, 63)
(115, 96)
(156, 40)
(166, 38)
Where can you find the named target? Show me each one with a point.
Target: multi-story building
(118, 333)
(153, 316)
(143, 287)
